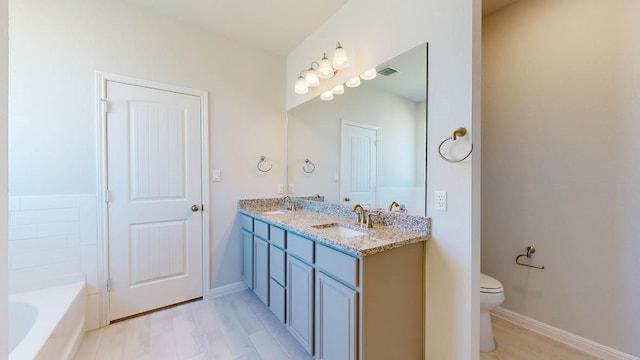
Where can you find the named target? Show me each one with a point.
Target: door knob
(347, 199)
(195, 208)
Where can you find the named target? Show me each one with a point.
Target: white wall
(561, 103)
(57, 47)
(4, 59)
(314, 132)
(373, 32)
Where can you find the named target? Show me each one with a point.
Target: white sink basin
(339, 230)
(276, 212)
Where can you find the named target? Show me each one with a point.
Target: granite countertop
(379, 238)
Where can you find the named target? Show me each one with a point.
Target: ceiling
(275, 26)
(491, 6)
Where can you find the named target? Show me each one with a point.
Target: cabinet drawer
(301, 247)
(277, 264)
(246, 222)
(261, 229)
(277, 300)
(276, 236)
(338, 264)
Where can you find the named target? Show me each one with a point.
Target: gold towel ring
(457, 132)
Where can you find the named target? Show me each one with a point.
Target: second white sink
(339, 230)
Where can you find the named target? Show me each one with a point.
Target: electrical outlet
(280, 188)
(292, 189)
(440, 200)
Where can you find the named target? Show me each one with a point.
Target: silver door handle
(195, 208)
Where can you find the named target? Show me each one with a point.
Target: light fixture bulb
(340, 60)
(325, 70)
(369, 74)
(326, 96)
(355, 82)
(311, 77)
(301, 86)
(338, 90)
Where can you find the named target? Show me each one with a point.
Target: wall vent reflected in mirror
(370, 142)
(387, 71)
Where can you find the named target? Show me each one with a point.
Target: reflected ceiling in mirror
(368, 145)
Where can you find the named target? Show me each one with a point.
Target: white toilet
(491, 295)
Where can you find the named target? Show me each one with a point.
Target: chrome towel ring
(262, 165)
(308, 166)
(457, 132)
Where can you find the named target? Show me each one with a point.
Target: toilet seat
(489, 285)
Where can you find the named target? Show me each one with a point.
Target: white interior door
(154, 176)
(358, 173)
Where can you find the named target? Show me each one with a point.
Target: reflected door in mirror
(359, 164)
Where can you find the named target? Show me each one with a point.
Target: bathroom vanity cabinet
(337, 304)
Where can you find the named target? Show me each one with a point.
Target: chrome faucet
(288, 203)
(359, 210)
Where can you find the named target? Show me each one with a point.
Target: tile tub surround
(312, 213)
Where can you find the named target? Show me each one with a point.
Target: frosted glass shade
(369, 74)
(325, 70)
(340, 59)
(355, 82)
(311, 78)
(326, 96)
(301, 86)
(338, 90)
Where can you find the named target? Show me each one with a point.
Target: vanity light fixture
(338, 90)
(326, 96)
(354, 82)
(325, 69)
(369, 74)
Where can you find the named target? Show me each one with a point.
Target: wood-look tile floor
(239, 327)
(517, 343)
(235, 326)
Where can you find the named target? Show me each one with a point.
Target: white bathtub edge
(49, 303)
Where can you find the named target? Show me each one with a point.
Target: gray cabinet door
(300, 302)
(336, 319)
(261, 269)
(247, 258)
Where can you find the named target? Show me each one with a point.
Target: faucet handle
(369, 220)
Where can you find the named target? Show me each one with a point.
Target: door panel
(336, 319)
(300, 302)
(154, 177)
(358, 174)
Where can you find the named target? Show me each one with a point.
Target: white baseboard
(565, 337)
(227, 289)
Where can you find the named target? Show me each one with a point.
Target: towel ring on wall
(262, 164)
(457, 132)
(308, 166)
(530, 251)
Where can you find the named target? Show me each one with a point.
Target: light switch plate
(292, 189)
(440, 200)
(280, 188)
(215, 175)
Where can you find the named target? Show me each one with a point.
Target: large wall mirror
(368, 145)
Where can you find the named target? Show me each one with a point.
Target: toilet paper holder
(530, 251)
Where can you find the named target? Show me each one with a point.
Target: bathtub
(47, 323)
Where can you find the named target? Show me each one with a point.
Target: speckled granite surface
(390, 231)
